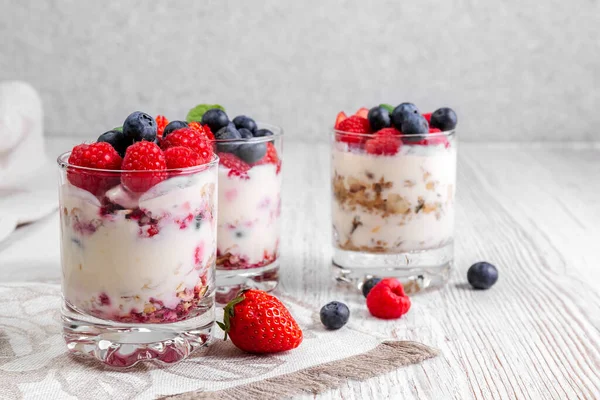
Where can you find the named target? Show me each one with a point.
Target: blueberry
(215, 119)
(173, 126)
(444, 119)
(140, 126)
(379, 118)
(228, 132)
(263, 132)
(482, 275)
(369, 284)
(241, 121)
(414, 124)
(334, 315)
(246, 133)
(401, 112)
(252, 152)
(117, 140)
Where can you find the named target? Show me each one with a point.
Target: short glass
(249, 213)
(393, 208)
(137, 268)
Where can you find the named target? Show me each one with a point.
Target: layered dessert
(138, 224)
(393, 180)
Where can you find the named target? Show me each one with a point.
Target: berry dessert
(249, 199)
(393, 184)
(138, 243)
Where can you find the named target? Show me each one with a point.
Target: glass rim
(277, 133)
(63, 163)
(449, 133)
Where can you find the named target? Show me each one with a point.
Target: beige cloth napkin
(34, 363)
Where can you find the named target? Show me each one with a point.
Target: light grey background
(513, 70)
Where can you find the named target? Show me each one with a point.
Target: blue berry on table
(246, 133)
(414, 124)
(228, 132)
(482, 275)
(241, 121)
(334, 315)
(369, 284)
(117, 140)
(215, 119)
(173, 126)
(379, 118)
(140, 126)
(401, 112)
(444, 119)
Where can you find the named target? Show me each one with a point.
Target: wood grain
(530, 209)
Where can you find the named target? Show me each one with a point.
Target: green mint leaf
(118, 128)
(387, 107)
(196, 113)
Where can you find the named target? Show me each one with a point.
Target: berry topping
(245, 133)
(161, 123)
(228, 132)
(241, 121)
(353, 124)
(203, 130)
(444, 118)
(258, 322)
(414, 124)
(340, 117)
(215, 119)
(271, 156)
(482, 275)
(388, 132)
(196, 113)
(434, 130)
(401, 112)
(188, 137)
(117, 140)
(387, 107)
(99, 155)
(181, 157)
(173, 126)
(263, 132)
(427, 117)
(251, 152)
(362, 112)
(369, 284)
(387, 299)
(140, 126)
(379, 118)
(231, 161)
(143, 156)
(385, 143)
(334, 315)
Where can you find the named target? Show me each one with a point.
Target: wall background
(513, 70)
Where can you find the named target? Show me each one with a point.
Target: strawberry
(340, 117)
(161, 123)
(190, 138)
(181, 157)
(353, 124)
(236, 166)
(427, 116)
(143, 156)
(99, 155)
(387, 299)
(362, 112)
(258, 322)
(203, 130)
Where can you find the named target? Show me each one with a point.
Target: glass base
(418, 271)
(124, 345)
(231, 281)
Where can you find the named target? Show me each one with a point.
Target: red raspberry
(143, 156)
(340, 117)
(161, 123)
(387, 300)
(202, 130)
(393, 132)
(96, 155)
(436, 139)
(190, 138)
(385, 143)
(354, 124)
(427, 116)
(434, 130)
(237, 167)
(181, 157)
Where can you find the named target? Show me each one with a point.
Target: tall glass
(249, 213)
(393, 208)
(137, 268)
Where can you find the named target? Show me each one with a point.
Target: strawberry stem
(228, 313)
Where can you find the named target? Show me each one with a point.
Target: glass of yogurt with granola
(138, 243)
(393, 195)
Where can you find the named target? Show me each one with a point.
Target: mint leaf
(118, 129)
(196, 113)
(387, 107)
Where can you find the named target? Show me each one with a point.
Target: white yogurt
(419, 184)
(249, 209)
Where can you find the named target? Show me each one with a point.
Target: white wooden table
(532, 210)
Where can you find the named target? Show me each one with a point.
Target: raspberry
(203, 130)
(340, 117)
(427, 116)
(99, 155)
(436, 139)
(393, 132)
(143, 156)
(161, 123)
(384, 143)
(190, 138)
(434, 130)
(181, 157)
(353, 124)
(387, 300)
(237, 167)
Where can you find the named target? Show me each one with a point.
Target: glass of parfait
(393, 179)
